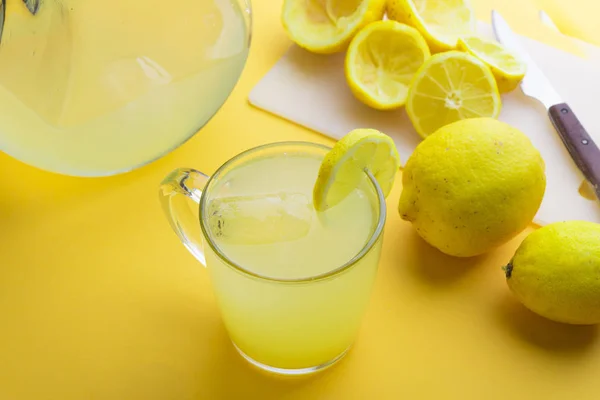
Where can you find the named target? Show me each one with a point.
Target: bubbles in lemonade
(260, 215)
(99, 86)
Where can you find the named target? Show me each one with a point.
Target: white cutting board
(311, 90)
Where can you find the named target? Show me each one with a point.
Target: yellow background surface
(99, 300)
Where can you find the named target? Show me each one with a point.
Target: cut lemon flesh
(449, 87)
(344, 166)
(381, 61)
(506, 66)
(327, 26)
(442, 22)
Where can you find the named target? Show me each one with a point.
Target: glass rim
(370, 243)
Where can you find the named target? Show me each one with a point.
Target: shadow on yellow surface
(435, 268)
(538, 331)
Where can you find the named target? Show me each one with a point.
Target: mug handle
(175, 193)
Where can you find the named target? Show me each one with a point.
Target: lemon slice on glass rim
(328, 26)
(344, 166)
(381, 61)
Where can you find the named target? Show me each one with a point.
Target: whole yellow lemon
(556, 272)
(472, 185)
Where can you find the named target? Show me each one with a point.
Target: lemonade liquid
(260, 216)
(92, 87)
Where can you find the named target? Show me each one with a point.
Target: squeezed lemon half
(327, 26)
(381, 61)
(442, 22)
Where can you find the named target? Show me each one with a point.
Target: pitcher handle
(180, 194)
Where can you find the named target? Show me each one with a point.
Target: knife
(581, 147)
(585, 189)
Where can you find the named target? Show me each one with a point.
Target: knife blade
(535, 84)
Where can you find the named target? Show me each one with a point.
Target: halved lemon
(449, 87)
(442, 22)
(506, 66)
(344, 166)
(327, 26)
(381, 61)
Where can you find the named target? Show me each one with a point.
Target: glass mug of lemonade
(291, 283)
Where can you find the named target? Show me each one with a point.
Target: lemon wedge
(327, 26)
(449, 87)
(381, 61)
(442, 22)
(506, 66)
(344, 166)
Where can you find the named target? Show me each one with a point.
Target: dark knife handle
(578, 142)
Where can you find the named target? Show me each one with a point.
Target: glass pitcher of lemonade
(292, 284)
(98, 87)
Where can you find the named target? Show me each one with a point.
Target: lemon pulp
(450, 87)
